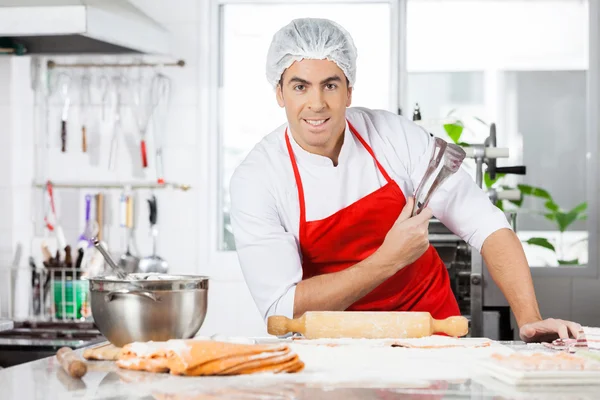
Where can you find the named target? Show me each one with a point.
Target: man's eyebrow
(298, 80)
(334, 78)
(295, 79)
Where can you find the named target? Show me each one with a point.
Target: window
(248, 109)
(522, 65)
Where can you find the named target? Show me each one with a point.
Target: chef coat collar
(303, 156)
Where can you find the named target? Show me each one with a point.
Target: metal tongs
(453, 158)
(434, 161)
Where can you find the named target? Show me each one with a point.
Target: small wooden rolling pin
(367, 325)
(71, 363)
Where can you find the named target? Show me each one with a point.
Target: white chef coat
(265, 209)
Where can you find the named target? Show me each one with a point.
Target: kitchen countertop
(6, 325)
(45, 379)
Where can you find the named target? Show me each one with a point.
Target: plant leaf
(569, 262)
(534, 191)
(489, 182)
(552, 206)
(464, 144)
(565, 219)
(550, 217)
(500, 205)
(580, 208)
(454, 131)
(542, 242)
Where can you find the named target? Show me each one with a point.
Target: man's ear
(349, 100)
(280, 96)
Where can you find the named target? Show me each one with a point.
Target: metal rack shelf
(53, 64)
(113, 185)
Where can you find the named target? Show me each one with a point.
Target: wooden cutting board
(367, 325)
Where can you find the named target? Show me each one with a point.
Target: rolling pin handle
(456, 326)
(70, 362)
(278, 325)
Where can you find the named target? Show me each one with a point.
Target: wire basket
(59, 294)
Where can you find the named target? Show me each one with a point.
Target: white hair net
(311, 38)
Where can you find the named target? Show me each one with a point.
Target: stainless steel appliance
(42, 311)
(479, 298)
(33, 340)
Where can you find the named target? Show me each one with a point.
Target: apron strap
(299, 180)
(299, 185)
(370, 150)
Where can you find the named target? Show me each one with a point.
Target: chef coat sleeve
(267, 253)
(461, 205)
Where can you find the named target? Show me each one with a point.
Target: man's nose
(316, 101)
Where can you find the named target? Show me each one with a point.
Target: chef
(320, 208)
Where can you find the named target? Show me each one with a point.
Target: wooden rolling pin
(71, 363)
(367, 325)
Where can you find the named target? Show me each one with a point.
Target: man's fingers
(574, 328)
(528, 332)
(424, 216)
(563, 331)
(407, 210)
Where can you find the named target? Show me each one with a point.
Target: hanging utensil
(128, 262)
(66, 82)
(153, 263)
(104, 89)
(144, 104)
(120, 82)
(86, 100)
(453, 159)
(161, 92)
(91, 227)
(51, 219)
(100, 214)
(434, 161)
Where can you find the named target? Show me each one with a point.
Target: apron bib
(354, 233)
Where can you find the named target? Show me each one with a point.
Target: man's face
(315, 95)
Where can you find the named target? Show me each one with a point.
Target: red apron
(352, 234)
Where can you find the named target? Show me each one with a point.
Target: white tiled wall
(182, 231)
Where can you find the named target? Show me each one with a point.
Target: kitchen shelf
(114, 185)
(53, 64)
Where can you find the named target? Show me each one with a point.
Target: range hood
(81, 27)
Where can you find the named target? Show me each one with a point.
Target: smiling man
(321, 206)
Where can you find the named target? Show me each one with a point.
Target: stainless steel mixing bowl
(148, 307)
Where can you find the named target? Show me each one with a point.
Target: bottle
(417, 113)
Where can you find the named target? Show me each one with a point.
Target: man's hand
(408, 238)
(549, 330)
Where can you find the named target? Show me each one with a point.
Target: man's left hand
(548, 330)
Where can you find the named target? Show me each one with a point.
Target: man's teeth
(319, 122)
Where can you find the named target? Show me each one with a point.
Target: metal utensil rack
(114, 185)
(42, 286)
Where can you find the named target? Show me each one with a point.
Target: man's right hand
(408, 238)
